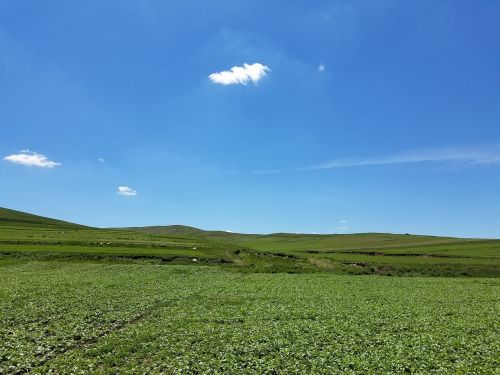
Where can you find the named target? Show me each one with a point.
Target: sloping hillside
(13, 217)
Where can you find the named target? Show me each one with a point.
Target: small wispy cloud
(467, 156)
(342, 226)
(31, 159)
(125, 190)
(240, 74)
(462, 156)
(321, 68)
(342, 229)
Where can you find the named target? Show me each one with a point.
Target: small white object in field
(195, 260)
(194, 248)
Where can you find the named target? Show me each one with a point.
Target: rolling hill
(16, 218)
(30, 236)
(294, 242)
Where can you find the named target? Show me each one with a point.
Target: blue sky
(361, 115)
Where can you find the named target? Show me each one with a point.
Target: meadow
(75, 299)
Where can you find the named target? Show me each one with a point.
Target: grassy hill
(28, 236)
(17, 218)
(298, 242)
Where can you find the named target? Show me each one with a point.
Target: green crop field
(75, 299)
(90, 317)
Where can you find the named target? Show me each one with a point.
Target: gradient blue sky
(400, 132)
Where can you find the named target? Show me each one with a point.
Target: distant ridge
(187, 230)
(299, 241)
(13, 217)
(267, 242)
(174, 230)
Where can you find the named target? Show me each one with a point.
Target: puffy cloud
(32, 159)
(125, 190)
(240, 74)
(321, 68)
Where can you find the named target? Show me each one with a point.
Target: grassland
(380, 253)
(26, 236)
(74, 317)
(76, 299)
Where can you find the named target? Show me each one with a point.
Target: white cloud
(240, 74)
(343, 221)
(32, 159)
(468, 156)
(321, 68)
(100, 160)
(125, 190)
(451, 156)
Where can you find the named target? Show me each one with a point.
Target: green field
(88, 317)
(76, 299)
